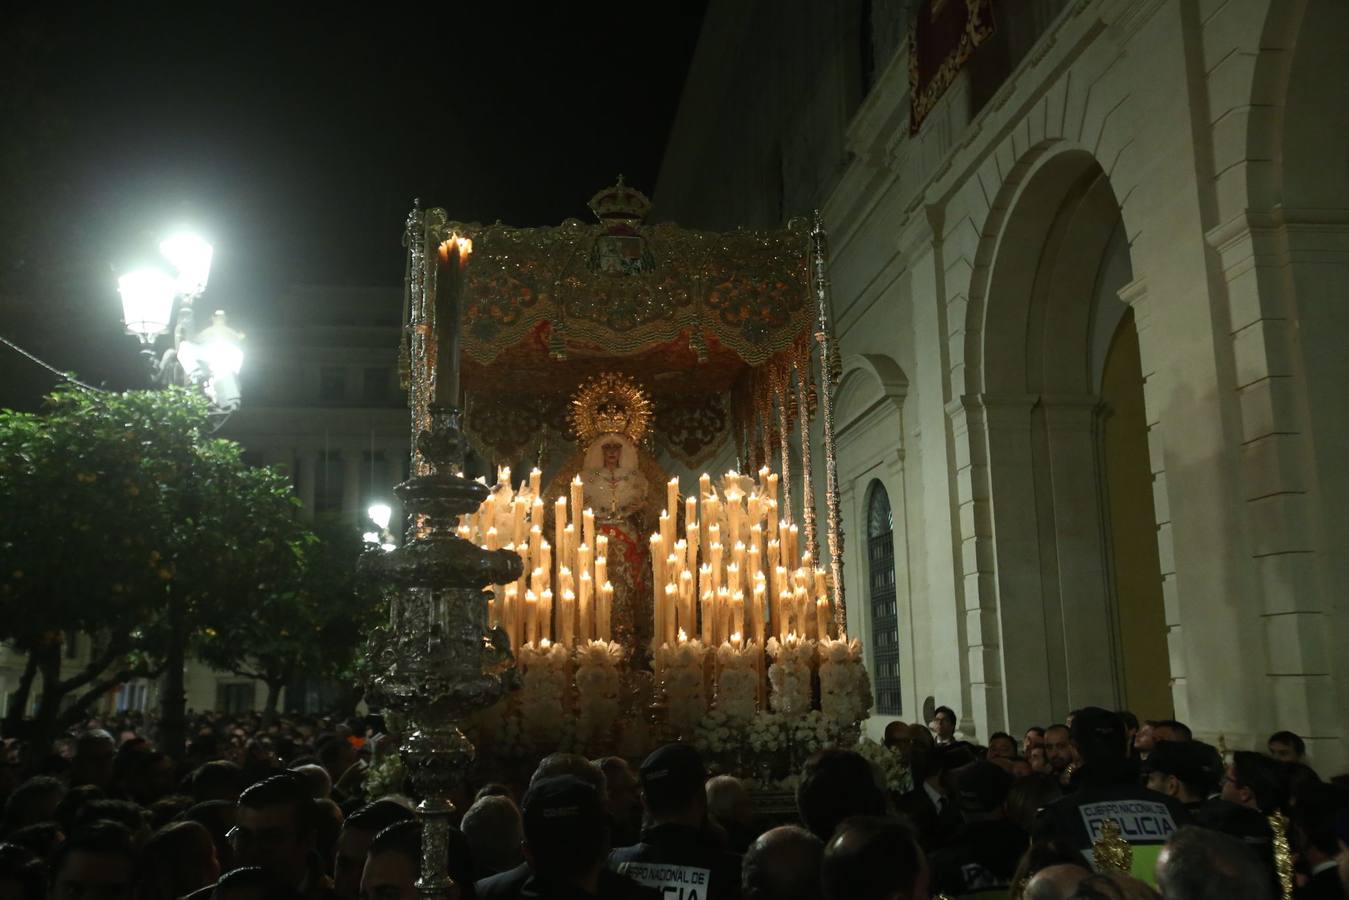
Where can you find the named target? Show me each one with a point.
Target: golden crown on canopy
(620, 203)
(609, 403)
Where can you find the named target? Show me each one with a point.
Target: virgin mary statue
(624, 487)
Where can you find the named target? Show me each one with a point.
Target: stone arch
(867, 380)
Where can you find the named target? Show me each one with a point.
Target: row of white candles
(764, 586)
(564, 594)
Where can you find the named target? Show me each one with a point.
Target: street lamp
(153, 302)
(380, 514)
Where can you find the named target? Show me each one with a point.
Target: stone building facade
(1092, 322)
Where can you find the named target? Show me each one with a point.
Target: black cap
(1193, 762)
(557, 808)
(672, 775)
(1098, 733)
(982, 787)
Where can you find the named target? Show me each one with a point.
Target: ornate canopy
(701, 320)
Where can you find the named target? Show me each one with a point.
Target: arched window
(884, 608)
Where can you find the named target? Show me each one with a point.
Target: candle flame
(683, 636)
(735, 638)
(544, 643)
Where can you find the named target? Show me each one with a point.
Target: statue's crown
(620, 203)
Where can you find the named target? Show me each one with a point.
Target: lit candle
(822, 617)
(683, 637)
(535, 481)
(559, 520)
(583, 558)
(773, 485)
(793, 559)
(785, 605)
(536, 580)
(733, 577)
(601, 569)
(704, 579)
(509, 601)
(588, 527)
(763, 475)
(605, 610)
(577, 494)
(713, 534)
(601, 545)
(546, 614)
(668, 612)
(666, 533)
(518, 507)
(567, 618)
(738, 554)
(686, 604)
(738, 612)
(491, 539)
(586, 627)
(546, 565)
(568, 554)
(450, 262)
(757, 611)
(708, 601)
(716, 565)
(532, 617)
(657, 575)
(801, 614)
(821, 583)
(704, 485)
(723, 623)
(672, 497)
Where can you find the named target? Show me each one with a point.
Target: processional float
(628, 607)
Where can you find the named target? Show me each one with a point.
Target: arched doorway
(1055, 329)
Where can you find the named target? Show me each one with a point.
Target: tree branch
(115, 650)
(75, 711)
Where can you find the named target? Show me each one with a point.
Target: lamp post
(380, 514)
(155, 303)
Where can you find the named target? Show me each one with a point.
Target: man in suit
(1315, 814)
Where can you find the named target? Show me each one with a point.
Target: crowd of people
(283, 811)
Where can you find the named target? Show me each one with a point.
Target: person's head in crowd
(567, 828)
(1130, 727)
(836, 785)
(895, 732)
(336, 755)
(1034, 737)
(218, 779)
(1298, 776)
(624, 797)
(494, 830)
(1027, 796)
(251, 883)
(575, 764)
(1056, 882)
(36, 800)
(1001, 745)
(1098, 739)
(873, 858)
(217, 817)
(95, 863)
(178, 859)
(1043, 854)
(393, 864)
(943, 724)
(672, 779)
(353, 843)
(1038, 760)
(314, 775)
(22, 874)
(1144, 739)
(1286, 746)
(981, 790)
(1316, 813)
(277, 828)
(1170, 730)
(70, 811)
(729, 802)
(1058, 747)
(493, 789)
(166, 809)
(783, 863)
(914, 743)
(146, 775)
(1188, 770)
(95, 752)
(1256, 781)
(133, 818)
(1203, 864)
(329, 825)
(40, 837)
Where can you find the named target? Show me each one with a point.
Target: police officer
(677, 854)
(1107, 788)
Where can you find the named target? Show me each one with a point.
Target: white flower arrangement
(789, 675)
(680, 671)
(716, 735)
(766, 733)
(845, 689)
(738, 684)
(597, 690)
(543, 700)
(894, 775)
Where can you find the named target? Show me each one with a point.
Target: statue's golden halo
(609, 403)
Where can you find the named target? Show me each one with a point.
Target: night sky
(295, 139)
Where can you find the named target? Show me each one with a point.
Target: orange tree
(124, 521)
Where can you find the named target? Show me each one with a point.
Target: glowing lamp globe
(191, 256)
(380, 513)
(147, 302)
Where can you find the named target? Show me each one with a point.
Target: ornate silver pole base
(437, 662)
